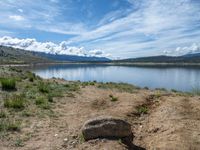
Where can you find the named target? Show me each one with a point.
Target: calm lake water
(179, 78)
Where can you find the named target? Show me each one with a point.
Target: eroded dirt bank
(159, 119)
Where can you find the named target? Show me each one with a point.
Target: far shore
(136, 64)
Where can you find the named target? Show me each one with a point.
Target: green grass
(2, 114)
(16, 102)
(112, 98)
(19, 142)
(121, 87)
(8, 84)
(142, 110)
(196, 91)
(72, 87)
(43, 87)
(8, 125)
(42, 102)
(31, 76)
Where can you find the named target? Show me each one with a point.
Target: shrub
(2, 114)
(44, 88)
(31, 76)
(8, 84)
(196, 91)
(8, 125)
(14, 126)
(50, 98)
(173, 90)
(72, 87)
(42, 102)
(142, 110)
(113, 99)
(16, 102)
(19, 142)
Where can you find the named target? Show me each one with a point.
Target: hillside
(9, 55)
(190, 58)
(71, 58)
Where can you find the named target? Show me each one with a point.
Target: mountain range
(188, 58)
(10, 55)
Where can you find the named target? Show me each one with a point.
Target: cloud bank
(50, 47)
(192, 49)
(126, 28)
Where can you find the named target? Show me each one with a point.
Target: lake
(179, 78)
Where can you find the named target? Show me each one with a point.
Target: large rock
(106, 127)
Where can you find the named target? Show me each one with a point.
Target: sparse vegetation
(19, 142)
(142, 110)
(196, 91)
(121, 87)
(43, 87)
(173, 90)
(16, 102)
(112, 98)
(9, 125)
(2, 114)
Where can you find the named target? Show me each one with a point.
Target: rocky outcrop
(106, 127)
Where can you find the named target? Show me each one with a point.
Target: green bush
(16, 102)
(43, 87)
(8, 84)
(2, 114)
(142, 110)
(42, 102)
(113, 99)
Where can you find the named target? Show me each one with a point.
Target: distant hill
(189, 58)
(71, 58)
(10, 55)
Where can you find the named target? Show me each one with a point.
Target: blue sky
(112, 28)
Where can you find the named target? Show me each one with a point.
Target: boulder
(106, 127)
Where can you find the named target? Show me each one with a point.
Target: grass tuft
(8, 84)
(8, 125)
(142, 110)
(43, 87)
(16, 102)
(112, 98)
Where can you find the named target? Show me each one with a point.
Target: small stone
(65, 140)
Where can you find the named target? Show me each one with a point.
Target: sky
(104, 28)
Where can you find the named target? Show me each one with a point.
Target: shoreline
(142, 64)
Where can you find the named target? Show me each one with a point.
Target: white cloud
(20, 10)
(49, 47)
(16, 17)
(194, 48)
(146, 28)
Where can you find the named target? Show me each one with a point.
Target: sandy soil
(172, 122)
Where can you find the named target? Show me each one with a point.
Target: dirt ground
(171, 123)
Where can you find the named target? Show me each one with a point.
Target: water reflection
(170, 78)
